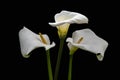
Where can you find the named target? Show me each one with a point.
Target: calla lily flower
(65, 18)
(87, 40)
(30, 41)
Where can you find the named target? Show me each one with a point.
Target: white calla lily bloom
(30, 41)
(87, 40)
(69, 17)
(65, 18)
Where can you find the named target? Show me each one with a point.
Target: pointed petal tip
(69, 39)
(53, 44)
(99, 57)
(56, 23)
(52, 24)
(24, 28)
(26, 56)
(50, 46)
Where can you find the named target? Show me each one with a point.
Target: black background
(35, 16)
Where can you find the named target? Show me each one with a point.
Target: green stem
(59, 58)
(70, 68)
(49, 65)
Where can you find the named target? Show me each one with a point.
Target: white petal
(69, 17)
(70, 40)
(30, 41)
(91, 42)
(47, 47)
